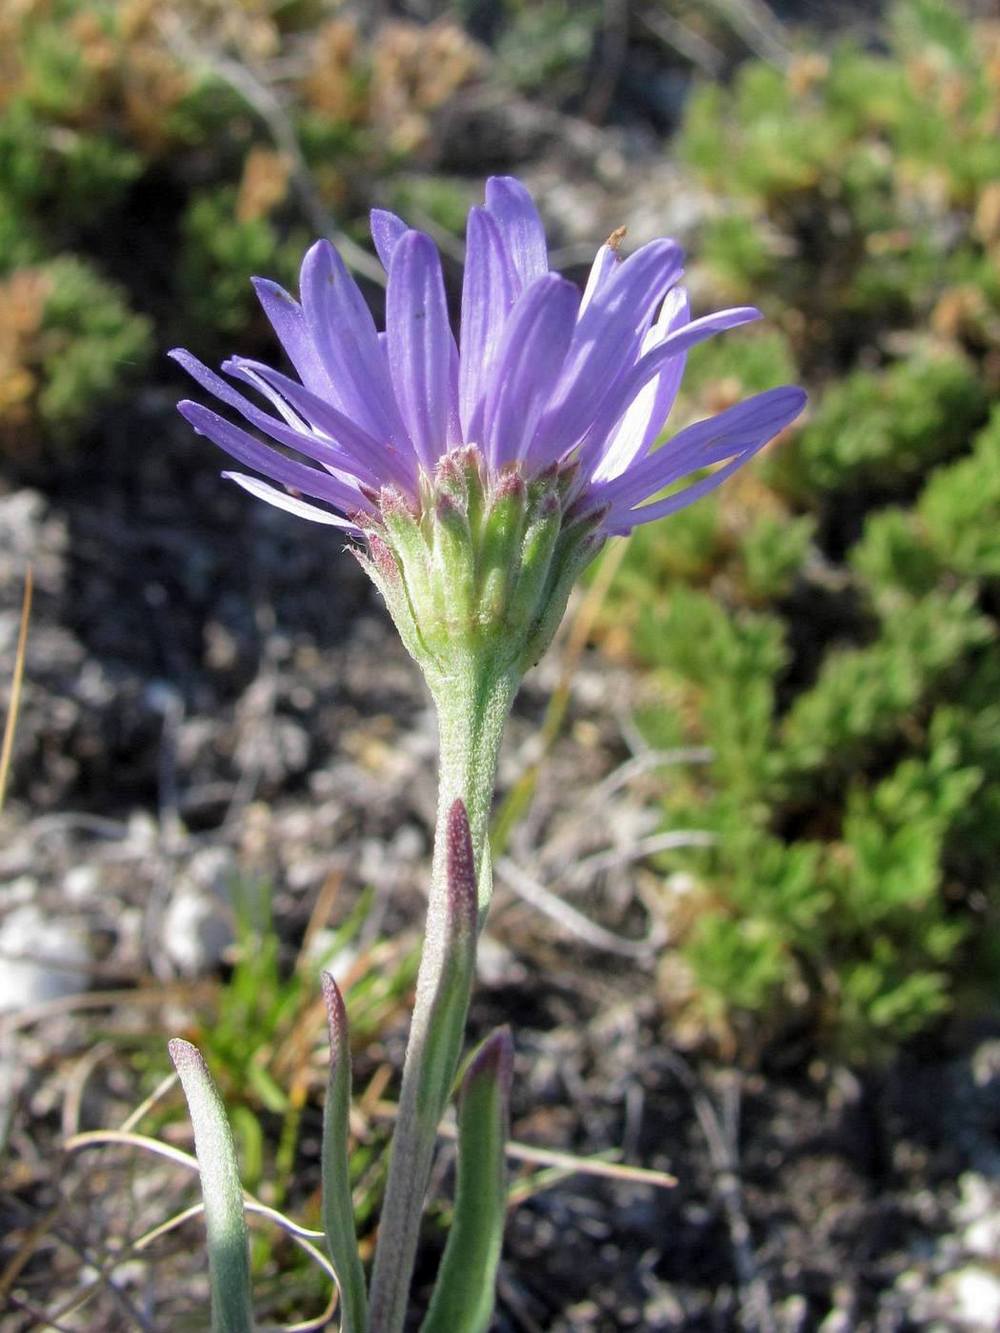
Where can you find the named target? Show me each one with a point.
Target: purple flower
(540, 376)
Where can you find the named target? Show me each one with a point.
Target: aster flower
(541, 376)
(481, 475)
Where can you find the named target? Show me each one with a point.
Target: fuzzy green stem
(472, 704)
(472, 710)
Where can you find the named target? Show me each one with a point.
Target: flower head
(540, 420)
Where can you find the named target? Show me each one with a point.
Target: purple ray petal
(523, 234)
(739, 430)
(620, 522)
(604, 345)
(654, 362)
(421, 346)
(243, 370)
(343, 331)
(282, 500)
(605, 262)
(674, 316)
(289, 323)
(251, 453)
(488, 292)
(645, 415)
(697, 331)
(535, 343)
(386, 460)
(640, 282)
(386, 230)
(326, 452)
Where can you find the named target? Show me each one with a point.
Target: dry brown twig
(301, 1236)
(568, 1163)
(721, 1131)
(17, 677)
(688, 43)
(758, 27)
(573, 921)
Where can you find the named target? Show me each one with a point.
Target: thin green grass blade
(465, 1291)
(225, 1222)
(338, 1207)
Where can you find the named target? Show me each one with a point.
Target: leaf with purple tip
(338, 1206)
(225, 1222)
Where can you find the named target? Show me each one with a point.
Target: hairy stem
(472, 705)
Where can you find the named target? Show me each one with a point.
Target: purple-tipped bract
(461, 871)
(540, 375)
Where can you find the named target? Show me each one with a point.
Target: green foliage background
(828, 625)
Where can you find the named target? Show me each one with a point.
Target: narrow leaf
(464, 1293)
(338, 1206)
(228, 1253)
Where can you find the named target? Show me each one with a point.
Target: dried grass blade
(10, 726)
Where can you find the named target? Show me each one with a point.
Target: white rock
(41, 958)
(197, 927)
(81, 883)
(979, 1211)
(338, 964)
(496, 965)
(974, 1298)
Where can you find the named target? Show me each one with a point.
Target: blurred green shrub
(68, 343)
(139, 172)
(546, 48)
(828, 625)
(229, 233)
(875, 430)
(861, 189)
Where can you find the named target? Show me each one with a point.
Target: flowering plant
(477, 480)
